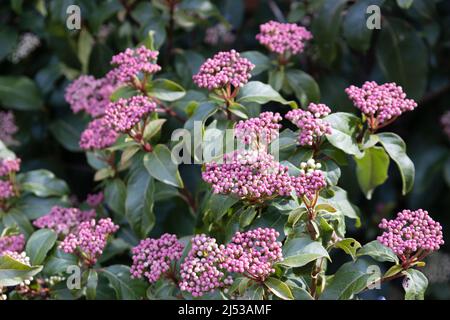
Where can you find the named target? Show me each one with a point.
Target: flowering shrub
(215, 172)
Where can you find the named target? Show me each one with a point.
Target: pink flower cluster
(445, 121)
(7, 127)
(95, 199)
(90, 239)
(14, 243)
(89, 94)
(252, 175)
(152, 257)
(283, 38)
(63, 220)
(253, 253)
(225, 68)
(310, 180)
(411, 231)
(200, 271)
(124, 114)
(6, 189)
(312, 126)
(98, 135)
(8, 166)
(261, 130)
(381, 104)
(132, 62)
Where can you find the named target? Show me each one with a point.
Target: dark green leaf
(42, 183)
(13, 272)
(39, 244)
(261, 93)
(344, 129)
(301, 251)
(304, 86)
(165, 90)
(160, 166)
(279, 288)
(19, 93)
(396, 148)
(125, 287)
(372, 169)
(377, 251)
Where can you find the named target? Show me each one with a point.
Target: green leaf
(261, 93)
(276, 79)
(326, 28)
(34, 207)
(161, 167)
(153, 127)
(115, 195)
(344, 130)
(67, 131)
(125, 287)
(13, 272)
(85, 43)
(39, 244)
(348, 281)
(247, 216)
(396, 148)
(301, 251)
(395, 269)
(165, 90)
(218, 205)
(8, 39)
(42, 183)
(19, 93)
(399, 47)
(261, 61)
(405, 4)
(14, 217)
(372, 169)
(355, 29)
(58, 262)
(139, 202)
(304, 86)
(239, 110)
(91, 284)
(415, 284)
(349, 245)
(279, 288)
(377, 251)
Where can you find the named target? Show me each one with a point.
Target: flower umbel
(225, 68)
(152, 258)
(89, 239)
(259, 131)
(381, 104)
(64, 220)
(312, 126)
(253, 253)
(412, 235)
(200, 271)
(283, 38)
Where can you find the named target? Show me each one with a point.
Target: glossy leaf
(160, 166)
(372, 169)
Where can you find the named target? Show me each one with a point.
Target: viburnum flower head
(381, 104)
(152, 258)
(7, 127)
(6, 189)
(18, 256)
(89, 94)
(253, 175)
(124, 114)
(90, 238)
(411, 231)
(132, 63)
(253, 253)
(312, 126)
(225, 68)
(310, 180)
(64, 220)
(8, 166)
(283, 38)
(260, 131)
(200, 271)
(14, 243)
(98, 135)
